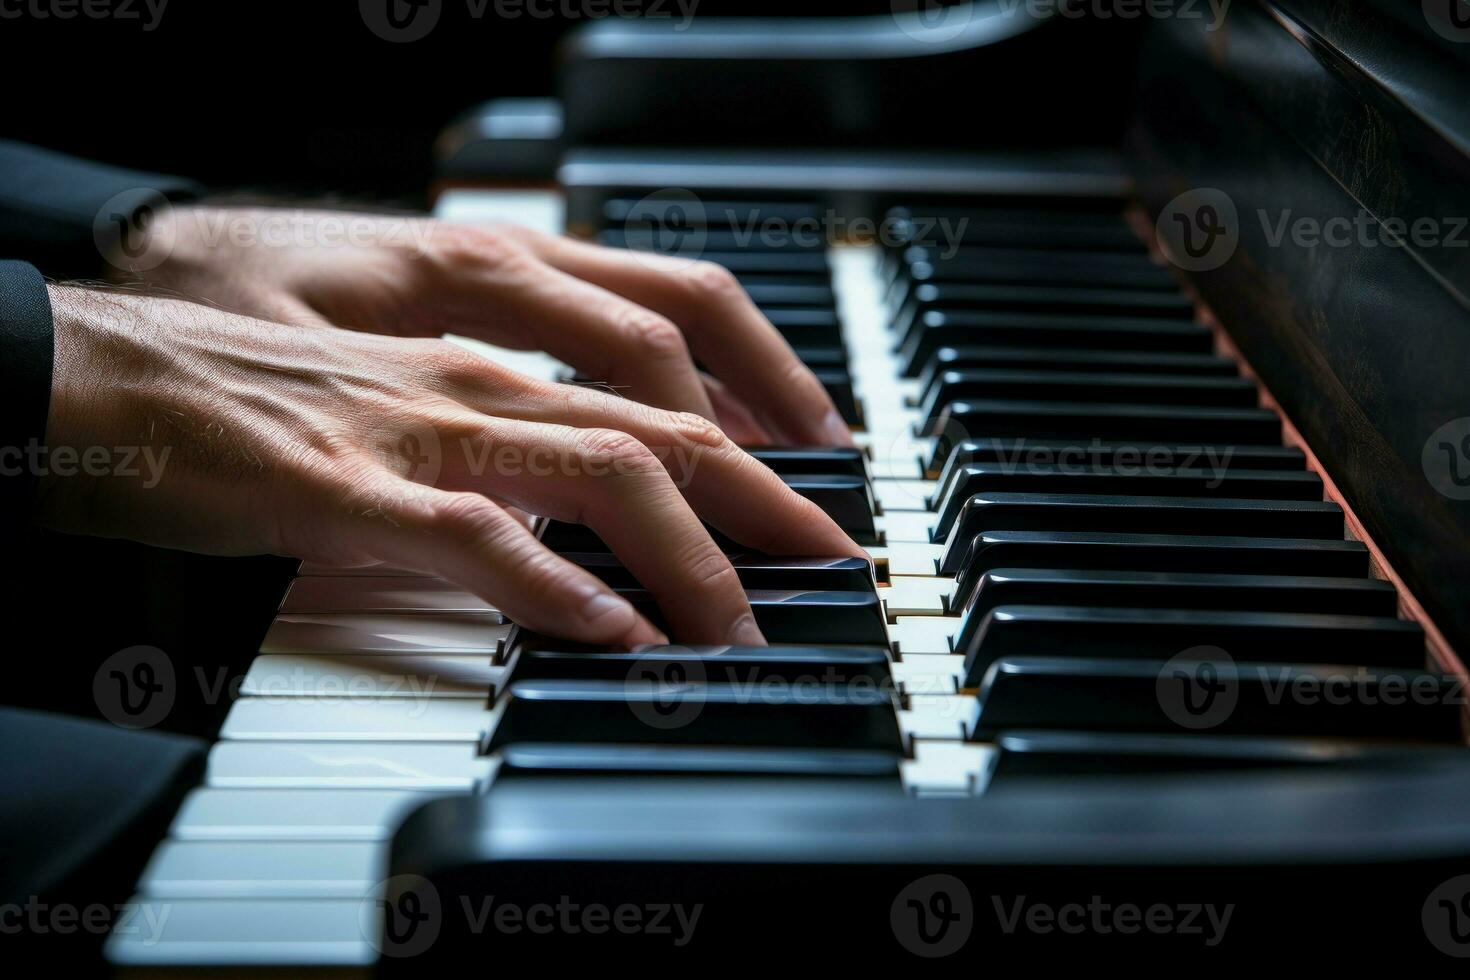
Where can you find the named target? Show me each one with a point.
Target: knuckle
(468, 516)
(713, 281)
(653, 336)
(461, 247)
(711, 571)
(615, 452)
(699, 430)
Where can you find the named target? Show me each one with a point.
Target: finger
(609, 339)
(724, 484)
(612, 483)
(470, 541)
(737, 420)
(724, 329)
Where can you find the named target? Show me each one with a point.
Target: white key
(939, 716)
(361, 593)
(245, 933)
(896, 495)
(294, 814)
(912, 595)
(909, 558)
(264, 869)
(383, 633)
(906, 525)
(447, 767)
(544, 210)
(923, 634)
(413, 675)
(948, 768)
(357, 719)
(919, 673)
(897, 457)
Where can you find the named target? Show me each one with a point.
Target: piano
(1163, 459)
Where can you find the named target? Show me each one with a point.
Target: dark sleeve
(26, 354)
(55, 208)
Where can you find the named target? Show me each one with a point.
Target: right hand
(350, 448)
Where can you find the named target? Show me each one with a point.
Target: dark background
(293, 97)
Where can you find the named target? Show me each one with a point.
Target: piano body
(1164, 458)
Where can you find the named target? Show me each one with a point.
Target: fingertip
(835, 430)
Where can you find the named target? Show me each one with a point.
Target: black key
(820, 667)
(675, 237)
(848, 500)
(806, 326)
(1135, 516)
(1011, 228)
(1221, 698)
(1082, 386)
(552, 711)
(1032, 752)
(532, 759)
(830, 358)
(1040, 299)
(1100, 631)
(982, 478)
(950, 328)
(750, 214)
(790, 618)
(1097, 455)
(1171, 590)
(1108, 423)
(839, 388)
(779, 572)
(920, 264)
(1154, 553)
(973, 357)
(796, 263)
(838, 461)
(781, 291)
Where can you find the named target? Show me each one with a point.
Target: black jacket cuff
(65, 214)
(26, 358)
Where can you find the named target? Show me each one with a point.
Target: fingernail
(837, 432)
(744, 633)
(609, 614)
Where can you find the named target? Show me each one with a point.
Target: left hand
(633, 321)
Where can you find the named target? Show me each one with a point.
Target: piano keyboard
(1081, 517)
